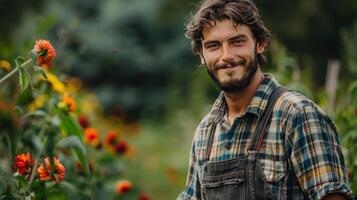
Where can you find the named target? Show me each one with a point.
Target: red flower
(83, 121)
(45, 174)
(91, 136)
(144, 196)
(124, 186)
(23, 164)
(121, 147)
(45, 52)
(111, 140)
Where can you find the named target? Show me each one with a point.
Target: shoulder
(296, 102)
(296, 109)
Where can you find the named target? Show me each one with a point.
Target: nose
(227, 54)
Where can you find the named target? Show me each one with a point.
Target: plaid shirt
(300, 152)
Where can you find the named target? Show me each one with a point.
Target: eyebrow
(239, 36)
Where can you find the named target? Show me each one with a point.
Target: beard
(234, 85)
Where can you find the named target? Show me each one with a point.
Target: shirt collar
(256, 106)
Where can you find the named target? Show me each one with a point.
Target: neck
(238, 101)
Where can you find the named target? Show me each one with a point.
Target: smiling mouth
(230, 67)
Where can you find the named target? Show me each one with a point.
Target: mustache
(230, 63)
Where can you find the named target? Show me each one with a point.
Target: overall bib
(242, 177)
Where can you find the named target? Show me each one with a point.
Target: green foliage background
(134, 56)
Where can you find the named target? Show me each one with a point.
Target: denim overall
(242, 177)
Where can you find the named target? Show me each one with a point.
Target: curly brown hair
(239, 11)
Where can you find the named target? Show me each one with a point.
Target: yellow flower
(39, 102)
(55, 82)
(4, 64)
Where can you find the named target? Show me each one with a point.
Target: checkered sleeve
(193, 188)
(316, 155)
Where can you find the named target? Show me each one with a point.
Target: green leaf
(7, 183)
(21, 181)
(83, 160)
(19, 60)
(78, 148)
(69, 189)
(25, 97)
(37, 113)
(11, 141)
(352, 90)
(24, 78)
(72, 142)
(41, 71)
(38, 187)
(57, 196)
(70, 126)
(49, 149)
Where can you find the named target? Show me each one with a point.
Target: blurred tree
(349, 36)
(11, 14)
(311, 29)
(125, 52)
(133, 52)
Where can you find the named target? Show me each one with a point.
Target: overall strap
(210, 142)
(264, 119)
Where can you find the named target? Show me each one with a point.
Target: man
(259, 141)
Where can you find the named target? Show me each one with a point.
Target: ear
(261, 47)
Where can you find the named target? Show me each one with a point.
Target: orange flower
(45, 52)
(124, 186)
(23, 164)
(91, 136)
(45, 174)
(121, 147)
(70, 102)
(83, 121)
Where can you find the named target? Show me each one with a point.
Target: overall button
(228, 145)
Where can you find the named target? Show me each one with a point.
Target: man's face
(229, 52)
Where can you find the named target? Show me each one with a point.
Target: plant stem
(3, 79)
(9, 143)
(34, 169)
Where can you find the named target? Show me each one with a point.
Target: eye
(211, 46)
(237, 42)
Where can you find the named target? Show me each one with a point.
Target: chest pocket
(273, 171)
(228, 186)
(225, 179)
